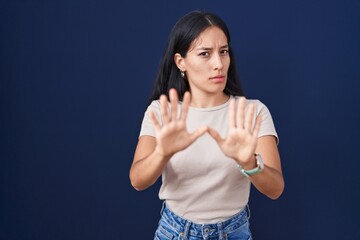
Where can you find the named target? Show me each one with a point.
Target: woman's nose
(217, 61)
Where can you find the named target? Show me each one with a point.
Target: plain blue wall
(75, 77)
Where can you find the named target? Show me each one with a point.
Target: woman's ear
(179, 61)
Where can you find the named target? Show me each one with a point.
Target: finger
(174, 100)
(199, 132)
(257, 125)
(249, 117)
(164, 109)
(232, 104)
(214, 134)
(154, 120)
(240, 114)
(185, 106)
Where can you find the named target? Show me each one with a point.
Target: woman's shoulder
(255, 101)
(154, 104)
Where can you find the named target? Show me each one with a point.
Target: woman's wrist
(161, 155)
(254, 170)
(249, 164)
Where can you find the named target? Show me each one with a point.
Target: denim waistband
(188, 228)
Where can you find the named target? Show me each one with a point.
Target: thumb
(214, 134)
(199, 132)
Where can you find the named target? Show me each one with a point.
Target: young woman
(206, 140)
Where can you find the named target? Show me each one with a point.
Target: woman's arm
(242, 143)
(147, 165)
(270, 180)
(152, 154)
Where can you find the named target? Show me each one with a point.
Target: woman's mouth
(218, 79)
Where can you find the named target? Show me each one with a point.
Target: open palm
(241, 141)
(172, 136)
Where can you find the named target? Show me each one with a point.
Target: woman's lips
(218, 79)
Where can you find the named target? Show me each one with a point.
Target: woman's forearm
(269, 181)
(144, 172)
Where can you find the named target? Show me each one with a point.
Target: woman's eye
(225, 52)
(204, 54)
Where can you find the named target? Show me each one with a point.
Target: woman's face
(207, 62)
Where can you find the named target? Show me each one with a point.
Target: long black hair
(185, 31)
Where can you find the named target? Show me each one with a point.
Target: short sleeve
(267, 124)
(147, 127)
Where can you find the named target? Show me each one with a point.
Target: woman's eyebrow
(209, 48)
(204, 48)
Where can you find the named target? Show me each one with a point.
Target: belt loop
(248, 211)
(162, 208)
(186, 230)
(220, 231)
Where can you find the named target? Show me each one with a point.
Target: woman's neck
(208, 100)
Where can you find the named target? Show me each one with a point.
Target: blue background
(75, 78)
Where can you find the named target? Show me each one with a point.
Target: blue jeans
(171, 226)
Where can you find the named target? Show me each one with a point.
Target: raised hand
(172, 135)
(241, 141)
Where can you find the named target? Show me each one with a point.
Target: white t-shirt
(200, 183)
